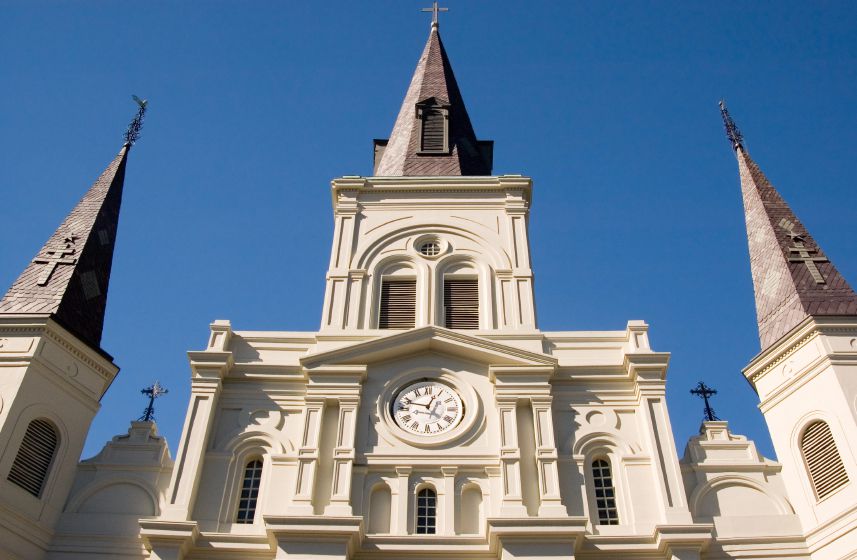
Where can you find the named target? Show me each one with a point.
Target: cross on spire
(804, 253)
(55, 257)
(153, 392)
(704, 391)
(434, 10)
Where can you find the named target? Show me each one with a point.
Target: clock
(427, 408)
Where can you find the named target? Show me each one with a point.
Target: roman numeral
(448, 418)
(427, 428)
(406, 418)
(453, 409)
(450, 399)
(415, 425)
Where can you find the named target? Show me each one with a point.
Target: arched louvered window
(605, 493)
(434, 130)
(826, 471)
(35, 455)
(426, 512)
(249, 492)
(398, 304)
(461, 303)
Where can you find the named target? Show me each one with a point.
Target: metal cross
(704, 391)
(153, 392)
(804, 253)
(434, 10)
(54, 258)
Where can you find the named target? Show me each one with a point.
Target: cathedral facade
(429, 416)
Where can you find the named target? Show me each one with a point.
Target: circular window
(430, 248)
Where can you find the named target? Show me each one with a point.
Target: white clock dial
(427, 408)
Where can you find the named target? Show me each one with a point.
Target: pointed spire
(69, 277)
(434, 87)
(792, 277)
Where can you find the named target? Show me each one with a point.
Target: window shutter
(30, 468)
(398, 304)
(461, 303)
(826, 471)
(434, 131)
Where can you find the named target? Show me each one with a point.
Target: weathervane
(153, 392)
(434, 10)
(133, 132)
(704, 391)
(732, 132)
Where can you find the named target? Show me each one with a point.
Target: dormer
(433, 114)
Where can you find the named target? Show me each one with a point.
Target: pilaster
(399, 517)
(208, 368)
(447, 505)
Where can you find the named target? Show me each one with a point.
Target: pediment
(429, 339)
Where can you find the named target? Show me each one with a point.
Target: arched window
(426, 512)
(605, 493)
(35, 455)
(249, 492)
(826, 471)
(398, 301)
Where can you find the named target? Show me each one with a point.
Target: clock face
(427, 408)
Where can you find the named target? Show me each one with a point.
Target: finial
(133, 132)
(732, 132)
(153, 392)
(434, 10)
(704, 391)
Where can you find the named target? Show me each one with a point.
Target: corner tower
(432, 238)
(54, 371)
(804, 375)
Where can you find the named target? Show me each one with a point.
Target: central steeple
(433, 134)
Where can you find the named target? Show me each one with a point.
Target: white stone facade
(512, 479)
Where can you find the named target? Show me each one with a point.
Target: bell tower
(54, 371)
(432, 238)
(805, 373)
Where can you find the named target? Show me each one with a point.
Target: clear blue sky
(255, 106)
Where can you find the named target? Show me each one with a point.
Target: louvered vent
(826, 471)
(434, 131)
(34, 457)
(398, 304)
(461, 303)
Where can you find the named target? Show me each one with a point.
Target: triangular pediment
(429, 339)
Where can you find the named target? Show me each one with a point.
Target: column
(308, 456)
(512, 504)
(343, 457)
(447, 505)
(546, 458)
(399, 515)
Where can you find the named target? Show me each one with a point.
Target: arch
(594, 441)
(111, 494)
(471, 509)
(466, 266)
(700, 506)
(380, 505)
(396, 267)
(799, 429)
(822, 459)
(242, 449)
(376, 241)
(36, 455)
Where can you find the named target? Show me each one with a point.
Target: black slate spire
(69, 277)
